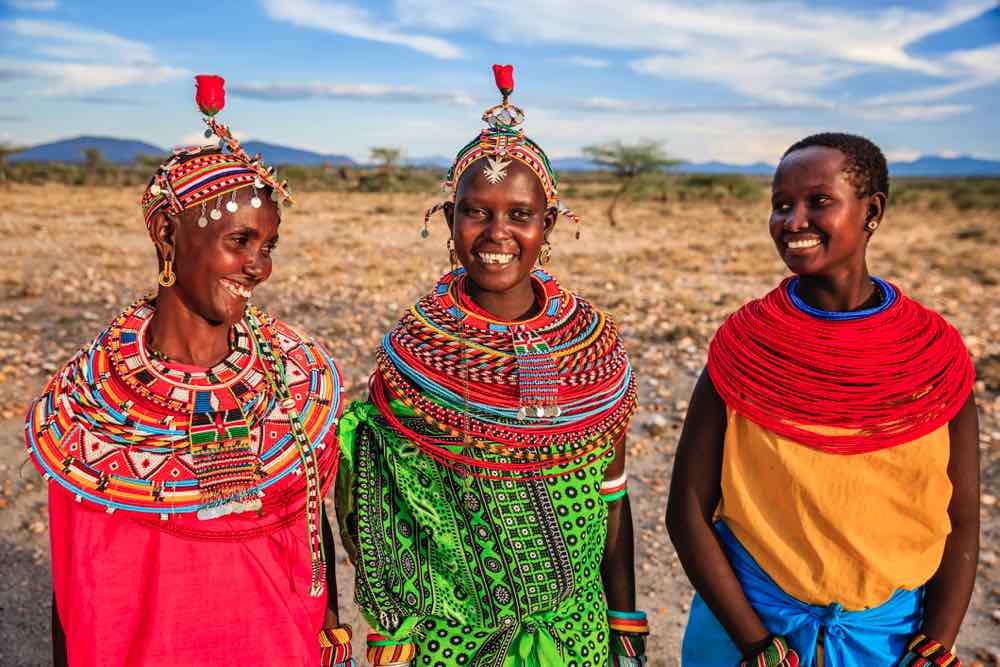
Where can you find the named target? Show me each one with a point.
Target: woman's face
(499, 228)
(817, 218)
(219, 265)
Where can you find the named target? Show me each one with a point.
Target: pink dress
(129, 593)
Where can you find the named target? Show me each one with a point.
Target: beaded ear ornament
(204, 175)
(501, 142)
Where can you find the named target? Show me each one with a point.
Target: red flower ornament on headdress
(504, 76)
(210, 94)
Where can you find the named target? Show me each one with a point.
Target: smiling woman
(482, 492)
(189, 446)
(825, 494)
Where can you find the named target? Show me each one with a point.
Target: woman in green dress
(482, 488)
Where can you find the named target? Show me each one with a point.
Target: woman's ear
(875, 211)
(163, 231)
(449, 214)
(549, 220)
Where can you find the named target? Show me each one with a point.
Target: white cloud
(587, 61)
(903, 154)
(785, 53)
(80, 61)
(345, 19)
(66, 41)
(364, 91)
(82, 78)
(33, 5)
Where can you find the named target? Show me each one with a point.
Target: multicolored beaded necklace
(128, 431)
(507, 397)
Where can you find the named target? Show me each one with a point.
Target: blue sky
(730, 81)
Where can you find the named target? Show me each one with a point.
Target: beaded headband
(500, 142)
(195, 175)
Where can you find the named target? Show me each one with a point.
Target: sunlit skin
(509, 218)
(194, 316)
(813, 201)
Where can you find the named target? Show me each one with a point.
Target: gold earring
(545, 254)
(452, 255)
(167, 275)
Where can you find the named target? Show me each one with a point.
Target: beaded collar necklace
(886, 291)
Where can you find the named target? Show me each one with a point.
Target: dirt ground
(72, 258)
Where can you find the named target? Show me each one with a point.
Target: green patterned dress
(474, 571)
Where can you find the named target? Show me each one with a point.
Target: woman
(482, 490)
(834, 439)
(190, 444)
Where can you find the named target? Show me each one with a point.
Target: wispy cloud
(32, 5)
(363, 91)
(346, 19)
(778, 52)
(79, 61)
(587, 61)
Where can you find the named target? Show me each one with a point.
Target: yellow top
(837, 528)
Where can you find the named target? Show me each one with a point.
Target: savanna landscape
(683, 254)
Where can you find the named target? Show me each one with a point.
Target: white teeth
(803, 243)
(495, 257)
(237, 289)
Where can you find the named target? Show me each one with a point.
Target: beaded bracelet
(385, 652)
(923, 650)
(628, 638)
(335, 647)
(613, 489)
(777, 654)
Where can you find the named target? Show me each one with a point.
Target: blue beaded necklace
(888, 298)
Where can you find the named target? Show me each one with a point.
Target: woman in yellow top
(825, 493)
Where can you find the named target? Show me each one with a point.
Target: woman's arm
(949, 590)
(695, 490)
(618, 564)
(332, 609)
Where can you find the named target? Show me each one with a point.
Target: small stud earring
(871, 225)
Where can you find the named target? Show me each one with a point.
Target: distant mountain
(931, 165)
(276, 154)
(71, 150)
(126, 150)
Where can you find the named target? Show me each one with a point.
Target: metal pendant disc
(216, 214)
(203, 221)
(255, 202)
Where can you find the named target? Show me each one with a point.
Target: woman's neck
(840, 292)
(518, 303)
(181, 335)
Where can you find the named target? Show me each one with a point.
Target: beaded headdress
(197, 175)
(500, 142)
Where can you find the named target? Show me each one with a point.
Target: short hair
(866, 168)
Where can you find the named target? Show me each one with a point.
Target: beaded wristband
(335, 646)
(924, 651)
(613, 489)
(777, 654)
(628, 638)
(385, 652)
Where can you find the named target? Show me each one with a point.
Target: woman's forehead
(496, 176)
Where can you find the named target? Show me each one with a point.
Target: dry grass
(349, 264)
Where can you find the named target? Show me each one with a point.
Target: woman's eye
(520, 215)
(781, 207)
(821, 200)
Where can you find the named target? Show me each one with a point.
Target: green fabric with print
(474, 571)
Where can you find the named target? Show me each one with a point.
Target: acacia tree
(626, 161)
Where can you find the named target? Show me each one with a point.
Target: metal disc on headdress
(202, 221)
(215, 214)
(255, 202)
(232, 206)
